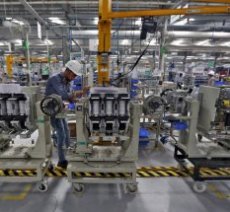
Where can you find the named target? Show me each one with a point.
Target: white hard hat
(211, 73)
(75, 66)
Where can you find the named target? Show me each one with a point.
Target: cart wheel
(42, 187)
(132, 188)
(199, 187)
(78, 187)
(180, 167)
(199, 137)
(51, 167)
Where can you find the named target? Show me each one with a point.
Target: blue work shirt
(57, 84)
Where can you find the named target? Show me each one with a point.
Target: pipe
(89, 3)
(192, 34)
(170, 34)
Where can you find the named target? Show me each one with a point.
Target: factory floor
(167, 194)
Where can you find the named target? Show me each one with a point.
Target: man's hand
(80, 93)
(77, 93)
(86, 89)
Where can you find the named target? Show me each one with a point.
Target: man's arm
(81, 92)
(60, 90)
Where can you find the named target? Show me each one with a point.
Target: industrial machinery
(24, 135)
(205, 140)
(107, 138)
(153, 110)
(175, 100)
(107, 125)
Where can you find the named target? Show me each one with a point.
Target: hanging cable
(137, 61)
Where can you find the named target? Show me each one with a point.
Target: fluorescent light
(21, 23)
(203, 43)
(152, 43)
(56, 20)
(48, 42)
(18, 42)
(178, 42)
(138, 22)
(2, 43)
(226, 44)
(181, 23)
(125, 42)
(95, 21)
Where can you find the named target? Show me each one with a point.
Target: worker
(36, 78)
(179, 81)
(59, 84)
(211, 78)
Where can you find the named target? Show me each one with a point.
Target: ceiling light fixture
(138, 22)
(125, 42)
(48, 42)
(95, 21)
(21, 23)
(178, 42)
(57, 20)
(226, 44)
(181, 23)
(203, 43)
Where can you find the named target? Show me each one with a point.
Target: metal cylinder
(109, 109)
(22, 107)
(122, 108)
(3, 110)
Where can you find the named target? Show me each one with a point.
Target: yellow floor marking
(18, 197)
(219, 194)
(153, 173)
(143, 174)
(173, 173)
(163, 173)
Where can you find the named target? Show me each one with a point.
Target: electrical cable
(137, 61)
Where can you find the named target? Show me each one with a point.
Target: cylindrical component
(3, 111)
(51, 105)
(109, 109)
(122, 108)
(95, 108)
(12, 107)
(22, 107)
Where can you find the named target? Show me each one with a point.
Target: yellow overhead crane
(105, 22)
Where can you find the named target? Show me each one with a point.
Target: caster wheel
(51, 167)
(180, 167)
(42, 187)
(132, 188)
(78, 188)
(199, 187)
(199, 137)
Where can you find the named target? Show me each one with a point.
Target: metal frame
(123, 165)
(180, 155)
(36, 158)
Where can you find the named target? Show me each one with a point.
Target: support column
(65, 47)
(184, 62)
(104, 27)
(162, 49)
(26, 46)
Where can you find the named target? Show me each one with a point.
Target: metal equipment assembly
(205, 142)
(107, 139)
(24, 135)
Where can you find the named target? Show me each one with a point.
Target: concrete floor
(155, 194)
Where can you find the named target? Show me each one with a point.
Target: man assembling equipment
(59, 84)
